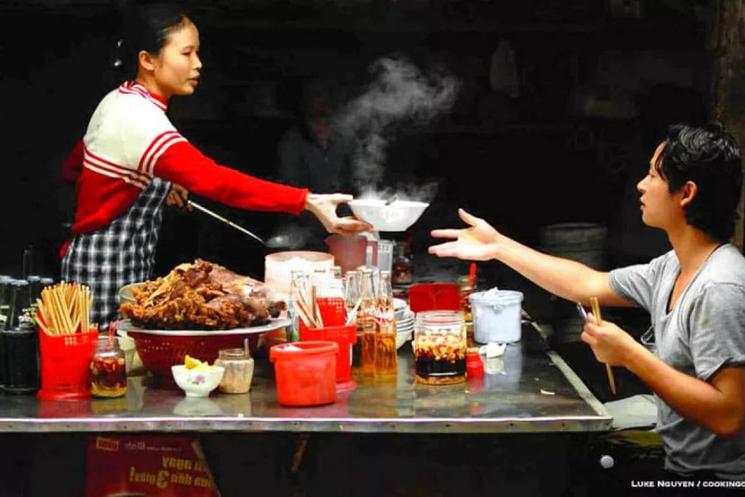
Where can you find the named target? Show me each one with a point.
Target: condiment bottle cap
(474, 365)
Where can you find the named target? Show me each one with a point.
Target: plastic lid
(47, 281)
(34, 278)
(439, 318)
(235, 353)
(302, 349)
(495, 295)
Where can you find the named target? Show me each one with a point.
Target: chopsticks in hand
(596, 311)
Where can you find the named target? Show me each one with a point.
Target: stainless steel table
(530, 389)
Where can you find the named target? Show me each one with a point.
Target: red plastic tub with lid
(305, 372)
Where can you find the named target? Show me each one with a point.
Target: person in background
(312, 152)
(132, 160)
(695, 295)
(315, 154)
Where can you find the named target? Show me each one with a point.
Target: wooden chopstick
(596, 311)
(305, 315)
(352, 316)
(64, 309)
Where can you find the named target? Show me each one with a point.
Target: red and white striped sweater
(130, 140)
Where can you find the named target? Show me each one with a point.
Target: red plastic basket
(434, 297)
(160, 352)
(65, 365)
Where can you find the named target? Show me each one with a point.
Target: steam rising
(399, 94)
(424, 193)
(289, 237)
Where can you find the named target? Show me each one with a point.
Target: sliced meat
(202, 295)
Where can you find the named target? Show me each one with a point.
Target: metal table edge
(580, 387)
(360, 425)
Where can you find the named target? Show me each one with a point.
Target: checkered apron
(121, 253)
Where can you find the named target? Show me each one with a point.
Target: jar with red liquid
(108, 373)
(440, 347)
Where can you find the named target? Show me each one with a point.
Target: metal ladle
(226, 221)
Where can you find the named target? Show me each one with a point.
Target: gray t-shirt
(704, 332)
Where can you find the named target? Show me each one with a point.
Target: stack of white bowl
(404, 322)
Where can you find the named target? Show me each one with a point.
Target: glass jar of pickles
(108, 372)
(440, 347)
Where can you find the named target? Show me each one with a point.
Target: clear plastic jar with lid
(239, 370)
(440, 347)
(108, 372)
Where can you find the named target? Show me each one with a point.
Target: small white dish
(196, 383)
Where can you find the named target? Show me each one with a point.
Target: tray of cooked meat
(198, 298)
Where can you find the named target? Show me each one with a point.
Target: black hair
(708, 156)
(146, 28)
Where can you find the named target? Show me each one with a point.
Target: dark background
(598, 81)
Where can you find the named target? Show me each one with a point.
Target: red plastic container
(305, 377)
(434, 297)
(160, 352)
(344, 337)
(65, 365)
(333, 310)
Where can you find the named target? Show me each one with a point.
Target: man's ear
(146, 59)
(688, 192)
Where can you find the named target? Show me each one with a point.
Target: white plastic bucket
(496, 316)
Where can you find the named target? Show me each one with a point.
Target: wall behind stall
(50, 83)
(594, 92)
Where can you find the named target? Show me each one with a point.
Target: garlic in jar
(239, 370)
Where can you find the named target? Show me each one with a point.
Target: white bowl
(397, 216)
(196, 383)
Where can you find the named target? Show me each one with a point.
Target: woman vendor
(132, 158)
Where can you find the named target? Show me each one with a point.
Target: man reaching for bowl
(695, 295)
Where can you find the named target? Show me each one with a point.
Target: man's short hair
(708, 156)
